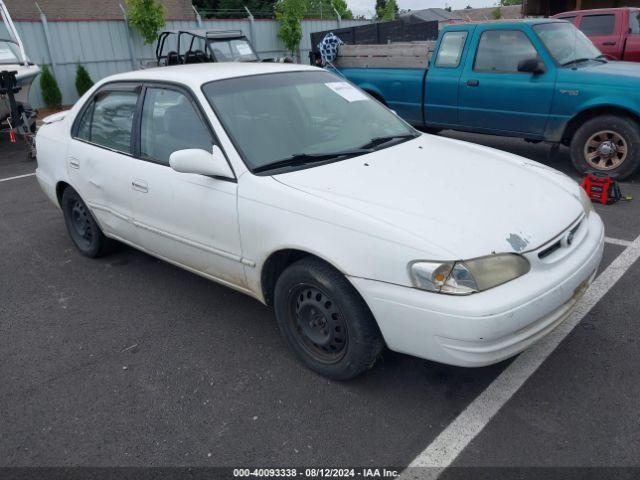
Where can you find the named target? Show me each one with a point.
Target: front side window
(275, 117)
(169, 123)
(594, 25)
(108, 120)
(634, 21)
(566, 43)
(450, 50)
(501, 51)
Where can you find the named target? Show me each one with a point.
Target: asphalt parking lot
(129, 361)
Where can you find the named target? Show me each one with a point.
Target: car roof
(196, 75)
(593, 11)
(507, 22)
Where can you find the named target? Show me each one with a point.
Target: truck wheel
(608, 144)
(325, 321)
(82, 227)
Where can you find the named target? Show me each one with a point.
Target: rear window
(594, 25)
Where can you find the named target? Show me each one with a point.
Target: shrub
(147, 17)
(49, 88)
(83, 80)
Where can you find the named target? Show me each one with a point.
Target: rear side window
(594, 25)
(170, 122)
(450, 50)
(501, 51)
(108, 120)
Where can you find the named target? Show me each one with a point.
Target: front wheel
(325, 321)
(607, 144)
(82, 227)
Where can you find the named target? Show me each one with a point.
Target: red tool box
(601, 188)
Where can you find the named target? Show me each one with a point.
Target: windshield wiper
(300, 159)
(602, 58)
(378, 142)
(577, 60)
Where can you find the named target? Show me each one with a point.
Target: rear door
(100, 160)
(494, 96)
(605, 29)
(441, 85)
(632, 44)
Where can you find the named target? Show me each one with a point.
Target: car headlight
(586, 202)
(469, 276)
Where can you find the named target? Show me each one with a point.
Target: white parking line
(617, 241)
(453, 439)
(17, 177)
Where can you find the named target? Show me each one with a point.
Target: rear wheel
(82, 227)
(325, 321)
(607, 144)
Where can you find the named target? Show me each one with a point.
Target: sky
(367, 7)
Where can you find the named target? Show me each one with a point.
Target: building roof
(195, 75)
(60, 10)
(432, 14)
(478, 14)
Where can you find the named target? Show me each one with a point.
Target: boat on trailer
(13, 58)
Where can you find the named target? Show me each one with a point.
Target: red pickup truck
(615, 31)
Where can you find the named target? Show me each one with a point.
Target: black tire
(325, 321)
(622, 134)
(82, 227)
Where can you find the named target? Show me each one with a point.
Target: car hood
(611, 73)
(445, 195)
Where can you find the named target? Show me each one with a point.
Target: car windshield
(302, 115)
(9, 53)
(566, 43)
(233, 50)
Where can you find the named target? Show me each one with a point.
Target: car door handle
(140, 185)
(473, 83)
(609, 44)
(74, 162)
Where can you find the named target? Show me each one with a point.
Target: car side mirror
(201, 162)
(532, 65)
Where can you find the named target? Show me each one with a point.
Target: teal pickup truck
(541, 80)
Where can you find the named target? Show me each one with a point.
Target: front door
(604, 30)
(495, 96)
(185, 218)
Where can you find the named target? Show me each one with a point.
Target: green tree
(390, 11)
(147, 17)
(497, 13)
(506, 3)
(49, 88)
(83, 80)
(342, 8)
(289, 13)
(380, 5)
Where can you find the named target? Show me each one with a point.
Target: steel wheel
(82, 228)
(318, 324)
(605, 150)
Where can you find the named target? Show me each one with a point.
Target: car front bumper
(491, 326)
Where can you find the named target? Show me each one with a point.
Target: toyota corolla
(293, 186)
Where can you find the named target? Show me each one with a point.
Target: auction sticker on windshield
(347, 91)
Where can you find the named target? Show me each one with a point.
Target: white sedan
(291, 185)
